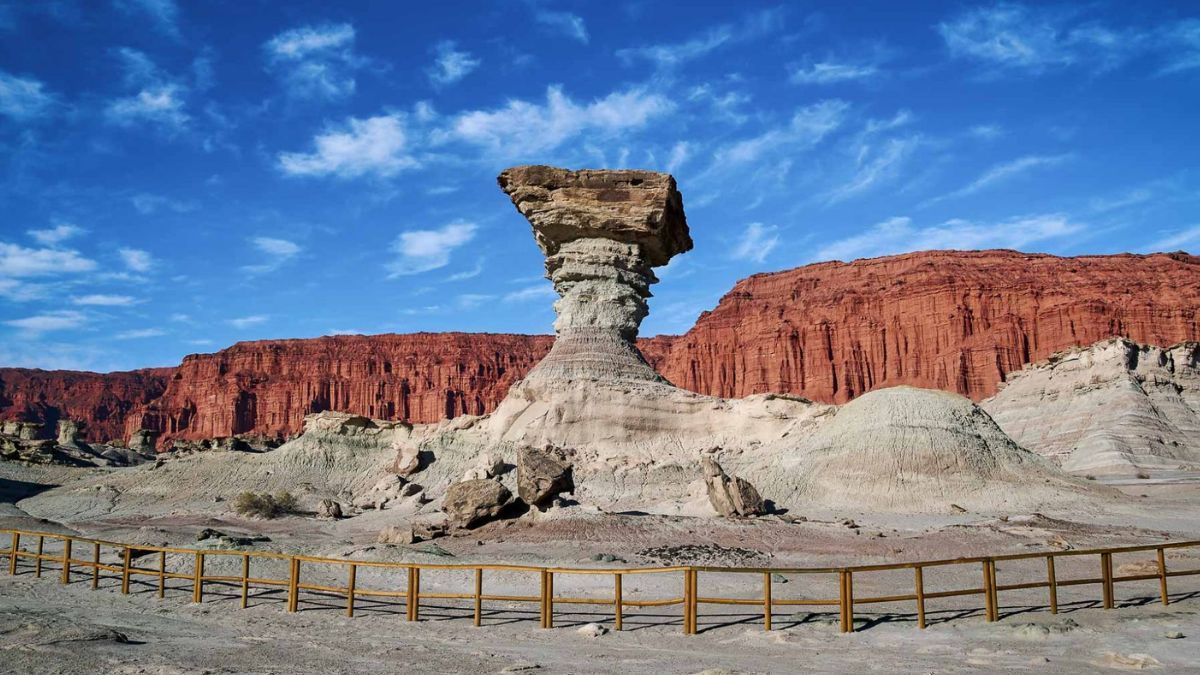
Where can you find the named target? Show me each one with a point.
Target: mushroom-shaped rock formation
(602, 232)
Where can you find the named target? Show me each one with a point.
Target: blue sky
(175, 177)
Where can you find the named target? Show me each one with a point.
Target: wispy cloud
(23, 99)
(808, 126)
(756, 243)
(831, 72)
(373, 146)
(278, 252)
(666, 56)
(248, 321)
(148, 204)
(140, 333)
(524, 129)
(539, 291)
(899, 235)
(164, 13)
(17, 261)
(104, 300)
(315, 62)
(159, 100)
(424, 250)
(565, 23)
(469, 273)
(136, 259)
(679, 154)
(1002, 172)
(451, 64)
(49, 321)
(875, 165)
(1180, 239)
(56, 235)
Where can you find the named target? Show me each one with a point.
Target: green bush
(264, 505)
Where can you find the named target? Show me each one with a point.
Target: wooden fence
(71, 567)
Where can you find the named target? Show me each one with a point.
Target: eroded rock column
(602, 233)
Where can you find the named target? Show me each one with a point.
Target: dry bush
(264, 505)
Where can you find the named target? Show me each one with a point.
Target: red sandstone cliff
(958, 321)
(104, 402)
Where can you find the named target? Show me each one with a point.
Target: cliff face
(103, 402)
(957, 321)
(267, 387)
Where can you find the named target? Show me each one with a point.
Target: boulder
(487, 465)
(69, 432)
(397, 534)
(543, 474)
(730, 496)
(329, 509)
(144, 441)
(472, 502)
(408, 460)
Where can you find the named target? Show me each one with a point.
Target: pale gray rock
(730, 496)
(329, 509)
(473, 502)
(143, 441)
(408, 460)
(542, 474)
(69, 432)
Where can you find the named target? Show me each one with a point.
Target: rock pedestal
(602, 233)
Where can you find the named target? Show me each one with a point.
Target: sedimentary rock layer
(958, 321)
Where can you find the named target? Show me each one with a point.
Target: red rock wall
(958, 321)
(104, 402)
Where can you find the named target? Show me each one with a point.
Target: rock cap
(630, 206)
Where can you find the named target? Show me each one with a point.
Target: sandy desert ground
(48, 628)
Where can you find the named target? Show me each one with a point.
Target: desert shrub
(264, 505)
(1143, 475)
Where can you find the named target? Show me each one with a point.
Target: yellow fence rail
(690, 599)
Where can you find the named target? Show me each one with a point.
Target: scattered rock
(957, 509)
(473, 502)
(487, 465)
(607, 558)
(329, 509)
(209, 533)
(778, 579)
(730, 496)
(1174, 635)
(408, 460)
(543, 474)
(395, 534)
(592, 630)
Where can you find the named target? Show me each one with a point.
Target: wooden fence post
(549, 599)
(414, 594)
(294, 585)
(687, 602)
(478, 596)
(37, 562)
(162, 574)
(618, 604)
(66, 561)
(993, 590)
(1053, 580)
(13, 554)
(849, 601)
(1106, 575)
(95, 565)
(350, 590)
(766, 601)
(198, 583)
(987, 594)
(919, 583)
(1162, 576)
(245, 580)
(125, 571)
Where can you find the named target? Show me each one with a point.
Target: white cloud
(468, 274)
(425, 250)
(473, 300)
(375, 145)
(756, 242)
(165, 13)
(1036, 39)
(247, 321)
(1182, 47)
(830, 72)
(808, 126)
(161, 106)
(147, 204)
(55, 235)
(667, 56)
(986, 132)
(140, 333)
(136, 259)
(49, 321)
(679, 154)
(315, 62)
(1002, 172)
(568, 24)
(899, 235)
(1188, 237)
(104, 300)
(279, 250)
(875, 166)
(524, 129)
(451, 64)
(537, 291)
(22, 98)
(18, 262)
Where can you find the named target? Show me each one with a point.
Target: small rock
(1173, 635)
(778, 579)
(957, 509)
(408, 460)
(329, 509)
(592, 630)
(393, 534)
(209, 533)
